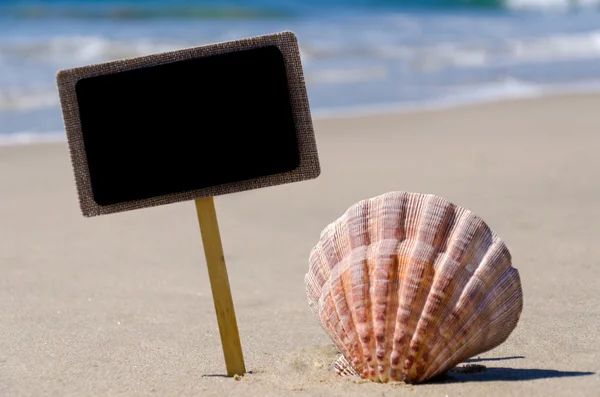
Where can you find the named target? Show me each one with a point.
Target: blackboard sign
(198, 122)
(190, 125)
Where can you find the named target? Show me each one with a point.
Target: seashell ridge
(409, 285)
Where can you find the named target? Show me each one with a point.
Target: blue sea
(357, 54)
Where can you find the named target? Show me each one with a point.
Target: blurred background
(357, 54)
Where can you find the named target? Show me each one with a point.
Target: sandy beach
(120, 305)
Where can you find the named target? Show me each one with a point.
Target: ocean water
(357, 54)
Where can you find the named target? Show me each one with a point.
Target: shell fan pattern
(409, 285)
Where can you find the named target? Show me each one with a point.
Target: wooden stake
(219, 283)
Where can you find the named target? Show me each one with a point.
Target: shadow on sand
(482, 373)
(222, 375)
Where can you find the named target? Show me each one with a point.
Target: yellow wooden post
(219, 283)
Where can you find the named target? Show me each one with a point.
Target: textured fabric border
(286, 42)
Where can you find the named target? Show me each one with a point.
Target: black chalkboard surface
(187, 124)
(223, 118)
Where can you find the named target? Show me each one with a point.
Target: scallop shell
(409, 285)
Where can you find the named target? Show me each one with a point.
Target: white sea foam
(81, 49)
(31, 137)
(470, 53)
(16, 98)
(552, 5)
(76, 50)
(502, 91)
(347, 75)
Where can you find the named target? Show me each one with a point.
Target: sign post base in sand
(190, 125)
(219, 283)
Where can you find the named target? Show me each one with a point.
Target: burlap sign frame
(287, 43)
